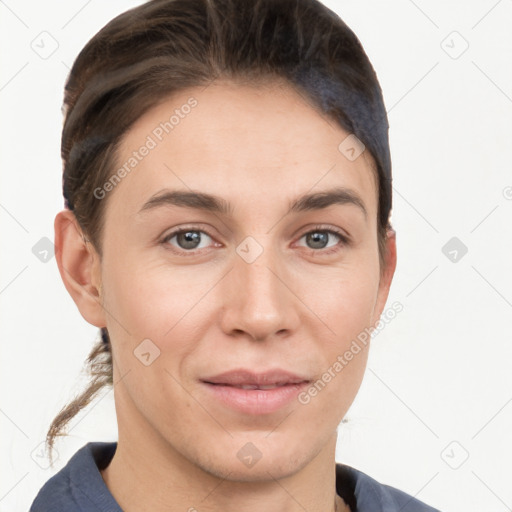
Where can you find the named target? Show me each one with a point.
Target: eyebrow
(216, 204)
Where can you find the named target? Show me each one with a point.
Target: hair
(146, 54)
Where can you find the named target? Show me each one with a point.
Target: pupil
(189, 239)
(320, 238)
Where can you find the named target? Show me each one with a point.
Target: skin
(295, 307)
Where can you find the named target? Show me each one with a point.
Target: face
(264, 282)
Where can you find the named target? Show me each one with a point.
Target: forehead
(250, 145)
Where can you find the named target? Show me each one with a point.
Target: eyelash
(344, 240)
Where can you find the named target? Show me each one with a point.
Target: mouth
(255, 386)
(255, 394)
(252, 380)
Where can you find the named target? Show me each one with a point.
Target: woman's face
(257, 285)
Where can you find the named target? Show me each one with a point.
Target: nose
(258, 294)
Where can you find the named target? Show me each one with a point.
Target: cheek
(345, 305)
(344, 300)
(354, 305)
(149, 310)
(148, 299)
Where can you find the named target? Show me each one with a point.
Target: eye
(318, 238)
(188, 239)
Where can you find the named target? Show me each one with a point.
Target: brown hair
(163, 46)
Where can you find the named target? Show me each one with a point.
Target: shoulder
(78, 485)
(369, 495)
(54, 495)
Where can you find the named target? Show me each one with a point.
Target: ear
(79, 267)
(387, 275)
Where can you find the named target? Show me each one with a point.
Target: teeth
(254, 386)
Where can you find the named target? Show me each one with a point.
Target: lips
(251, 386)
(252, 393)
(254, 386)
(246, 379)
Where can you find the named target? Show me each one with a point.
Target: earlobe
(79, 267)
(390, 256)
(387, 275)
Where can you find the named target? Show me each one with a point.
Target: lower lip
(255, 401)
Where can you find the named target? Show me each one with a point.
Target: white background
(438, 387)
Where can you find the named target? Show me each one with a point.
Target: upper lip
(242, 377)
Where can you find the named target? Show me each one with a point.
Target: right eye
(186, 240)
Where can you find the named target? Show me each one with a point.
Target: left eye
(318, 238)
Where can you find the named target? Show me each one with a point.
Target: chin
(255, 458)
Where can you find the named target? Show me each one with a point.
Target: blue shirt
(79, 487)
